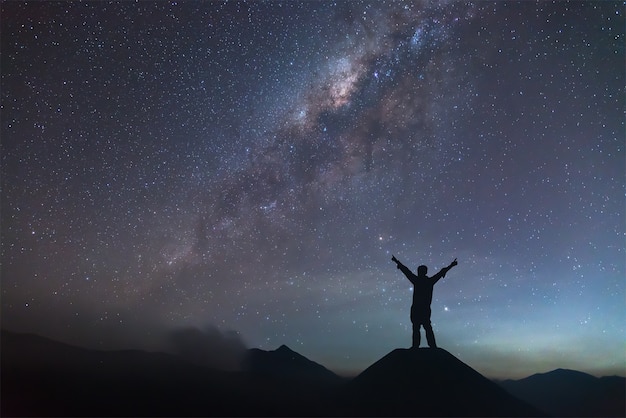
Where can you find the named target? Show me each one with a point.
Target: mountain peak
(286, 363)
(284, 349)
(409, 382)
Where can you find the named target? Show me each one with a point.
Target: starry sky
(246, 170)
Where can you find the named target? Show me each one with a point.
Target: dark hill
(427, 382)
(33, 352)
(42, 377)
(569, 393)
(286, 363)
(286, 383)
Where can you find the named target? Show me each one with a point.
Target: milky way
(253, 167)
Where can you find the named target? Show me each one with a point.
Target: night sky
(244, 171)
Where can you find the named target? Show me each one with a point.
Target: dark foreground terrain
(41, 377)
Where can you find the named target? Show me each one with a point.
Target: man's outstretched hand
(454, 263)
(394, 259)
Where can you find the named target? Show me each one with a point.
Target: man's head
(422, 270)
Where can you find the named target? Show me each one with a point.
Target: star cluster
(252, 166)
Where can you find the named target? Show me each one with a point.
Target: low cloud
(208, 346)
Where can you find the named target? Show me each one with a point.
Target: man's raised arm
(443, 271)
(402, 267)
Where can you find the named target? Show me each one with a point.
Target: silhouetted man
(422, 297)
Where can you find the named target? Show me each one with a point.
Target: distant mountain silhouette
(286, 363)
(427, 382)
(288, 384)
(570, 393)
(42, 377)
(32, 351)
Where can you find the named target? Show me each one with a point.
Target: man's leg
(416, 335)
(416, 328)
(430, 335)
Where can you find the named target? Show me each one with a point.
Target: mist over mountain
(208, 347)
(42, 377)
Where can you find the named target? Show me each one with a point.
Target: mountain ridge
(44, 377)
(286, 363)
(571, 393)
